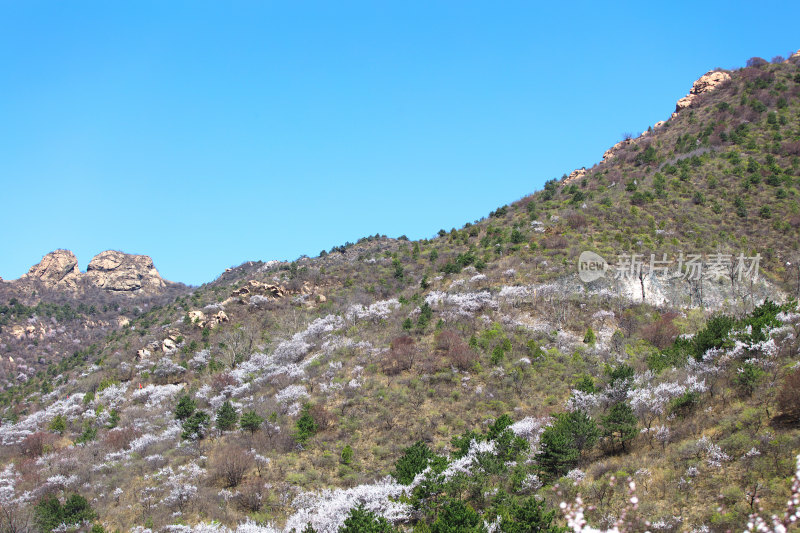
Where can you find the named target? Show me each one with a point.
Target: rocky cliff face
(111, 271)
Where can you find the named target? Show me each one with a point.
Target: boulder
(168, 346)
(198, 318)
(18, 332)
(220, 317)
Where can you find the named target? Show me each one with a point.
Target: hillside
(467, 382)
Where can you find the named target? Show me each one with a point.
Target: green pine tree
(619, 425)
(227, 417)
(185, 408)
(306, 425)
(251, 421)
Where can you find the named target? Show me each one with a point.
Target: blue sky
(206, 134)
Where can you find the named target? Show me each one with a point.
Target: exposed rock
(659, 124)
(110, 270)
(168, 345)
(241, 292)
(142, 354)
(264, 289)
(220, 317)
(18, 332)
(611, 152)
(56, 269)
(707, 82)
(117, 271)
(198, 318)
(576, 174)
(123, 321)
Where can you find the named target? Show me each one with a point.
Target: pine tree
(361, 520)
(251, 422)
(619, 425)
(306, 425)
(226, 417)
(185, 408)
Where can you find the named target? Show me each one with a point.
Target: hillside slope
(475, 368)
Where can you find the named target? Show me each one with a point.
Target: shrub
(49, 513)
(789, 395)
(58, 424)
(347, 455)
(684, 404)
(747, 377)
(661, 333)
(35, 444)
(230, 465)
(756, 62)
(400, 356)
(590, 337)
(456, 350)
(576, 220)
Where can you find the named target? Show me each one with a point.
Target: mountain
(627, 334)
(55, 310)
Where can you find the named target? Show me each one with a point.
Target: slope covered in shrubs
(466, 382)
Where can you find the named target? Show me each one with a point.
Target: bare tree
(231, 464)
(238, 343)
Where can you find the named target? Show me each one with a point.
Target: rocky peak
(56, 269)
(116, 271)
(110, 270)
(707, 82)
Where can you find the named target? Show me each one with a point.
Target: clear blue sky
(206, 134)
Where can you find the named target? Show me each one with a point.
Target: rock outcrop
(706, 83)
(111, 271)
(117, 271)
(576, 175)
(58, 269)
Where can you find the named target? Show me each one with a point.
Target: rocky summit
(111, 270)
